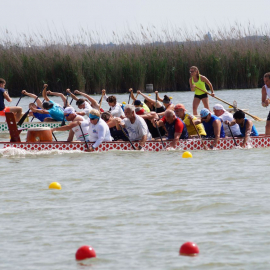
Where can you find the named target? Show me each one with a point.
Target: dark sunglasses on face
(67, 115)
(203, 118)
(92, 118)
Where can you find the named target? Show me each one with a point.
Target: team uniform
(56, 112)
(78, 131)
(209, 127)
(117, 110)
(178, 126)
(254, 131)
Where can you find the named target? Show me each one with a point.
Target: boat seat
(13, 129)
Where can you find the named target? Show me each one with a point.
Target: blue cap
(204, 112)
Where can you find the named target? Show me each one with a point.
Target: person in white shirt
(115, 108)
(98, 130)
(84, 105)
(224, 115)
(135, 125)
(81, 133)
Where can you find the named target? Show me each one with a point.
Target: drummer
(76, 127)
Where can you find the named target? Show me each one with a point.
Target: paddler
(246, 126)
(265, 99)
(182, 113)
(212, 125)
(74, 127)
(175, 127)
(5, 96)
(41, 117)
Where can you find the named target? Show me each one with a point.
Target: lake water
(137, 208)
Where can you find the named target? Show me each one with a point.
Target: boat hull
(190, 144)
(4, 126)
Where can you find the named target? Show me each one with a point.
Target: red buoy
(85, 252)
(189, 249)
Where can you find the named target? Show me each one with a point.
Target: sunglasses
(192, 71)
(203, 118)
(67, 115)
(92, 118)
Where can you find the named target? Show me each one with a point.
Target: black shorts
(201, 96)
(268, 117)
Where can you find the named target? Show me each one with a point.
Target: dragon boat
(40, 139)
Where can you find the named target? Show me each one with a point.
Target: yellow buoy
(187, 155)
(55, 185)
(170, 97)
(123, 102)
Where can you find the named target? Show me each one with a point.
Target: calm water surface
(137, 208)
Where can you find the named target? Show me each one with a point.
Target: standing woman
(199, 80)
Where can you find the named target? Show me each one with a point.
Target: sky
(111, 20)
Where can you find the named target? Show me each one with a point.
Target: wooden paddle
(19, 99)
(54, 136)
(25, 115)
(127, 137)
(63, 121)
(256, 118)
(160, 135)
(232, 135)
(197, 131)
(84, 137)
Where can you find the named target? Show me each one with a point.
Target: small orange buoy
(189, 249)
(85, 252)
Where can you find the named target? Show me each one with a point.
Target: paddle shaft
(19, 99)
(129, 97)
(127, 137)
(160, 135)
(254, 117)
(54, 136)
(232, 135)
(63, 121)
(197, 131)
(84, 137)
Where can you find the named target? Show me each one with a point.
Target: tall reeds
(233, 58)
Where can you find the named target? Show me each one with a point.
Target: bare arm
(265, 101)
(94, 103)
(217, 127)
(42, 111)
(192, 88)
(71, 94)
(64, 99)
(44, 92)
(118, 122)
(38, 101)
(204, 79)
(70, 136)
(142, 141)
(67, 127)
(158, 97)
(249, 125)
(7, 97)
(149, 99)
(176, 138)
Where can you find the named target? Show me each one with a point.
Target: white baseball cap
(218, 107)
(69, 110)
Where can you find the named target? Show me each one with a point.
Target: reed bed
(232, 58)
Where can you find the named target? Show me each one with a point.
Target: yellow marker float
(55, 185)
(187, 155)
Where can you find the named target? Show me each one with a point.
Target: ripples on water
(136, 208)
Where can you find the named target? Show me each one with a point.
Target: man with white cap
(76, 127)
(224, 115)
(212, 125)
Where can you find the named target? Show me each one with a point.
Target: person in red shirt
(175, 127)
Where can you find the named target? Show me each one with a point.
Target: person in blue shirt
(212, 125)
(50, 107)
(246, 126)
(5, 96)
(41, 117)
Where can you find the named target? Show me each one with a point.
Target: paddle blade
(23, 118)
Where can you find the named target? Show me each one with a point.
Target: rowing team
(148, 120)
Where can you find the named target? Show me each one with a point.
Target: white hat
(69, 110)
(218, 107)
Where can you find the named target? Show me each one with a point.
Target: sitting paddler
(50, 107)
(5, 96)
(76, 126)
(137, 103)
(154, 106)
(224, 115)
(83, 104)
(166, 102)
(118, 135)
(187, 118)
(212, 125)
(246, 126)
(175, 127)
(98, 130)
(115, 108)
(135, 125)
(41, 117)
(94, 104)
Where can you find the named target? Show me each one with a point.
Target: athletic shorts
(2, 113)
(201, 96)
(268, 117)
